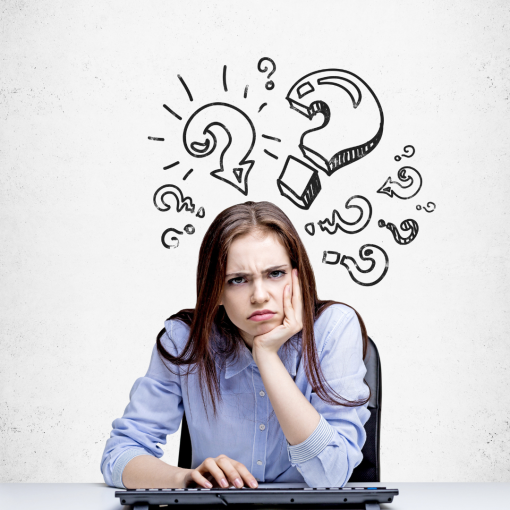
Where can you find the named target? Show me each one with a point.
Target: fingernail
(238, 483)
(208, 485)
(223, 482)
(253, 483)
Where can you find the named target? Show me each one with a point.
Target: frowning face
(258, 268)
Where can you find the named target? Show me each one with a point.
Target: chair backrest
(369, 469)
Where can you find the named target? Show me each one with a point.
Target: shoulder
(332, 322)
(175, 335)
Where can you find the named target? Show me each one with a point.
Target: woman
(269, 376)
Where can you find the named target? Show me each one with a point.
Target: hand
(292, 322)
(218, 471)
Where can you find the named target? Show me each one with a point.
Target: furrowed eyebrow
(268, 270)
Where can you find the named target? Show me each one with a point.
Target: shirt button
(262, 426)
(261, 393)
(259, 462)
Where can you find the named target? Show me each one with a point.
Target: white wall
(86, 283)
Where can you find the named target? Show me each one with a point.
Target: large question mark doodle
(270, 83)
(394, 188)
(350, 109)
(189, 229)
(212, 120)
(407, 226)
(299, 182)
(349, 227)
(429, 204)
(407, 148)
(182, 203)
(375, 272)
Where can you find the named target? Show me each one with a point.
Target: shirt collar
(245, 359)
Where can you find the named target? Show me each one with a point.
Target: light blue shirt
(246, 428)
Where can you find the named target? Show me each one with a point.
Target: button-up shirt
(246, 428)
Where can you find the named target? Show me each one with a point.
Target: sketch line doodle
(410, 226)
(173, 238)
(211, 121)
(310, 228)
(376, 271)
(168, 109)
(189, 229)
(245, 91)
(407, 148)
(171, 165)
(156, 139)
(271, 138)
(394, 188)
(175, 191)
(270, 154)
(354, 116)
(200, 213)
(185, 87)
(429, 204)
(262, 106)
(349, 227)
(225, 78)
(270, 83)
(187, 173)
(299, 182)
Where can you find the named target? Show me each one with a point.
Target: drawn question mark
(270, 83)
(410, 226)
(189, 229)
(211, 121)
(373, 274)
(354, 120)
(407, 148)
(429, 204)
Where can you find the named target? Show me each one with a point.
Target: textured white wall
(86, 283)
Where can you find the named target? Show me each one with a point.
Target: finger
(248, 478)
(200, 480)
(210, 465)
(230, 471)
(297, 296)
(287, 300)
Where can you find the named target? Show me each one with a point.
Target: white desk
(412, 496)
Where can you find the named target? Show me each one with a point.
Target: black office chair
(369, 469)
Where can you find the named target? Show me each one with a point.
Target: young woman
(271, 378)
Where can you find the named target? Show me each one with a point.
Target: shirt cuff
(312, 446)
(121, 462)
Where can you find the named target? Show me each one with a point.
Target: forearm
(148, 472)
(297, 417)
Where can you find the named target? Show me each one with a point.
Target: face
(258, 269)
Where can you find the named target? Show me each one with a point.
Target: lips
(261, 315)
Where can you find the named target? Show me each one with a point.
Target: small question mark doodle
(407, 148)
(189, 229)
(270, 83)
(236, 134)
(171, 189)
(394, 188)
(429, 204)
(349, 227)
(310, 228)
(367, 277)
(406, 225)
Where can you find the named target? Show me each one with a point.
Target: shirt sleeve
(154, 411)
(329, 455)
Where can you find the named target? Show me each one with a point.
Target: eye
(278, 275)
(234, 281)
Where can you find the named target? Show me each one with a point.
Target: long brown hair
(211, 320)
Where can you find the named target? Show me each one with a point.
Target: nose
(259, 293)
